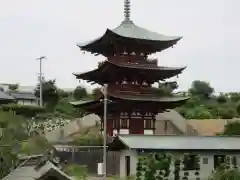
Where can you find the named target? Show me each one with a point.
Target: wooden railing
(132, 59)
(128, 89)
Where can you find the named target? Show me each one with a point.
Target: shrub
(78, 171)
(27, 111)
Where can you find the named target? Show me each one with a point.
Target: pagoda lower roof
(114, 71)
(129, 32)
(116, 100)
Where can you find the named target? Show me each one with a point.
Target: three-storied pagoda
(130, 74)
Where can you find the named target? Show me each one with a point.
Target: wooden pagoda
(129, 73)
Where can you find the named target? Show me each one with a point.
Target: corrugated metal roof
(180, 142)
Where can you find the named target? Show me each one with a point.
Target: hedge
(24, 110)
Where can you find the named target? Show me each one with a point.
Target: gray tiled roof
(23, 95)
(130, 30)
(178, 142)
(30, 173)
(5, 96)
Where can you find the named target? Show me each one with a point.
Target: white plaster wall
(205, 169)
(27, 102)
(124, 131)
(133, 162)
(148, 131)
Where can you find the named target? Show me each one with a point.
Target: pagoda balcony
(132, 89)
(133, 60)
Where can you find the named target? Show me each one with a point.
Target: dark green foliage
(96, 93)
(64, 107)
(79, 93)
(153, 166)
(12, 132)
(227, 170)
(232, 129)
(77, 171)
(13, 87)
(158, 166)
(26, 111)
(201, 89)
(50, 94)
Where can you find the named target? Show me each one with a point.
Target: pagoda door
(136, 124)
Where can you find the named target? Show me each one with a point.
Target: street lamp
(40, 80)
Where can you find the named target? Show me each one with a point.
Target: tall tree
(201, 89)
(13, 87)
(96, 93)
(79, 93)
(50, 94)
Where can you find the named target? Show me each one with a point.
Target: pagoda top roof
(127, 31)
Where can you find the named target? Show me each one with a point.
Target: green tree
(50, 94)
(234, 96)
(201, 88)
(79, 93)
(96, 93)
(63, 94)
(166, 89)
(13, 87)
(200, 112)
(232, 129)
(13, 132)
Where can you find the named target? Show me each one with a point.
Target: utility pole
(40, 80)
(105, 133)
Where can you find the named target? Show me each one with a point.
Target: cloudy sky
(32, 28)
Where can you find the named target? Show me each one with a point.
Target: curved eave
(148, 67)
(105, 71)
(84, 103)
(149, 98)
(129, 31)
(86, 75)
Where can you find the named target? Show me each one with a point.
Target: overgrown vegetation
(204, 103)
(152, 166)
(77, 171)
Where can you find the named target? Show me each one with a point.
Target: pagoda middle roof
(113, 68)
(129, 31)
(163, 102)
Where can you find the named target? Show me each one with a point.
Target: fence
(89, 156)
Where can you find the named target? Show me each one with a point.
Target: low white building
(24, 98)
(209, 149)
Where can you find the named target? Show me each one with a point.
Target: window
(205, 160)
(116, 124)
(148, 124)
(124, 123)
(218, 160)
(191, 162)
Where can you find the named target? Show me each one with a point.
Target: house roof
(190, 143)
(23, 95)
(31, 173)
(5, 96)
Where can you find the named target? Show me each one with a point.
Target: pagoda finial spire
(127, 10)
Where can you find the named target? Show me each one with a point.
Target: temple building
(129, 74)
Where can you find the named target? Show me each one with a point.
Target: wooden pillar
(153, 123)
